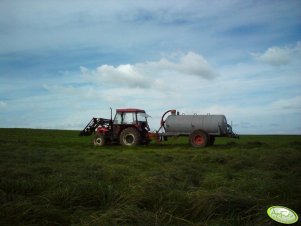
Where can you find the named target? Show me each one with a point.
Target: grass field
(51, 177)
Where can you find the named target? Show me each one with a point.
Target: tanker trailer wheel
(130, 137)
(99, 140)
(199, 139)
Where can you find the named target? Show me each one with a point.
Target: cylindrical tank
(186, 124)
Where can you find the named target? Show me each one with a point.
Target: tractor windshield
(118, 118)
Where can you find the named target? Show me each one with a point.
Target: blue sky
(63, 62)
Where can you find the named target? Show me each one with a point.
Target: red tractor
(128, 128)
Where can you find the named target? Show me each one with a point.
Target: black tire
(130, 137)
(199, 139)
(99, 140)
(211, 140)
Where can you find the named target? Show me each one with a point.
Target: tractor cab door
(122, 120)
(129, 118)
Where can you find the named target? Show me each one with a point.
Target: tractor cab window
(129, 118)
(118, 118)
(141, 117)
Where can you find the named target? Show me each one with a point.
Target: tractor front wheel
(130, 137)
(99, 140)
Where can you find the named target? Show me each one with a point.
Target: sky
(64, 62)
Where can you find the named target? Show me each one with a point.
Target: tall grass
(53, 177)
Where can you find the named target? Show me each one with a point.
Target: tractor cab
(130, 126)
(130, 117)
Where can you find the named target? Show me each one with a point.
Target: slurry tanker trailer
(130, 127)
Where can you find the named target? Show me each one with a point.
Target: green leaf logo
(282, 214)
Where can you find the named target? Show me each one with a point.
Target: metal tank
(201, 129)
(186, 124)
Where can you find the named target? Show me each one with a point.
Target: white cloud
(151, 74)
(190, 64)
(275, 56)
(278, 56)
(128, 75)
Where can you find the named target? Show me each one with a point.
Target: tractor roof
(130, 110)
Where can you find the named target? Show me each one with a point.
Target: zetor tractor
(128, 128)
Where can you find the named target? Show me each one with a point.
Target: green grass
(51, 177)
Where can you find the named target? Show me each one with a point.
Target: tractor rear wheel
(99, 140)
(199, 139)
(130, 137)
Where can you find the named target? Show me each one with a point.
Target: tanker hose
(163, 121)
